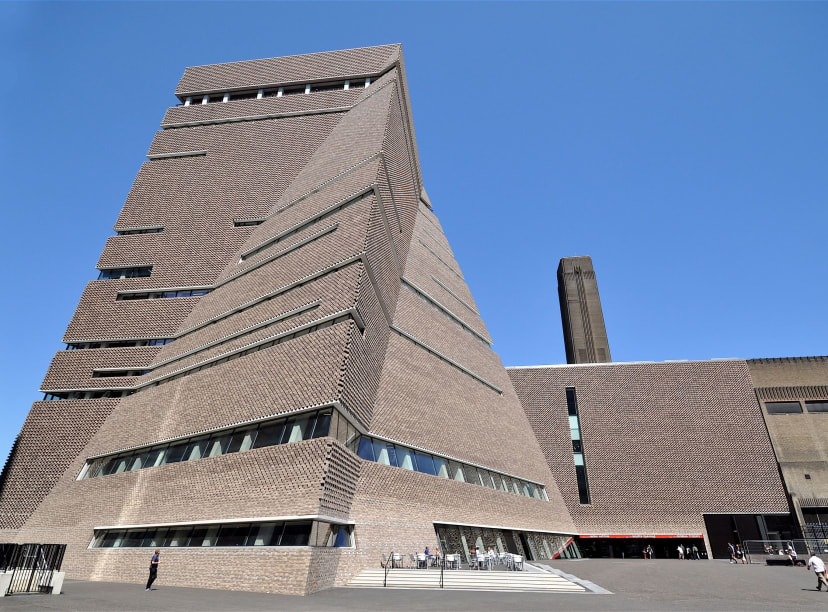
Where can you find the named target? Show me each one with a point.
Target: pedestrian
(680, 551)
(740, 554)
(818, 565)
(696, 552)
(153, 569)
(648, 552)
(732, 552)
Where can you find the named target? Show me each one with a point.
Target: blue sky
(683, 146)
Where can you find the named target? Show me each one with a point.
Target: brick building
(657, 453)
(584, 331)
(276, 375)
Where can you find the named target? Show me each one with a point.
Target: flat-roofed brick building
(277, 374)
(657, 453)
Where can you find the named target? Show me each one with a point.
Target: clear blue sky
(691, 139)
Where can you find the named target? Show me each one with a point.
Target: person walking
(818, 565)
(680, 551)
(153, 574)
(732, 552)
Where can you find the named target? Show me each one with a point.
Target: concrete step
(464, 579)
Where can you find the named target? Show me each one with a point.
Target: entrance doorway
(527, 549)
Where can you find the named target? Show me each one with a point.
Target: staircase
(471, 580)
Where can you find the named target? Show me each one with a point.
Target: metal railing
(32, 566)
(762, 551)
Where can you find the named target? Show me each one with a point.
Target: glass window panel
(516, 487)
(177, 536)
(526, 491)
(531, 489)
(343, 536)
(486, 478)
(241, 440)
(353, 436)
(155, 457)
(155, 537)
(175, 453)
(405, 458)
(204, 536)
(441, 467)
(783, 407)
(425, 464)
(579, 458)
(821, 406)
(298, 429)
(366, 449)
(471, 474)
(134, 538)
(233, 535)
(138, 461)
(197, 449)
(120, 537)
(94, 469)
(456, 471)
(263, 534)
(323, 424)
(506, 483)
(296, 534)
(217, 445)
(109, 538)
(571, 401)
(498, 483)
(121, 464)
(381, 453)
(269, 434)
(573, 425)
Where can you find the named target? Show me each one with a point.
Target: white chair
(396, 560)
(422, 561)
(517, 562)
(452, 561)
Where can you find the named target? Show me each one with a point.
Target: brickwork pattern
(663, 443)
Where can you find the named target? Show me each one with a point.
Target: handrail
(442, 569)
(388, 563)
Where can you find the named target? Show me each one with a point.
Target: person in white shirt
(818, 566)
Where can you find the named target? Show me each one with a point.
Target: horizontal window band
(448, 360)
(423, 449)
(280, 115)
(335, 404)
(328, 321)
(226, 535)
(253, 519)
(198, 153)
(441, 260)
(313, 191)
(455, 296)
(119, 272)
(181, 95)
(279, 431)
(310, 221)
(139, 229)
(242, 118)
(403, 457)
(505, 528)
(487, 341)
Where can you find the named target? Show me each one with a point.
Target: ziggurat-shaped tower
(281, 372)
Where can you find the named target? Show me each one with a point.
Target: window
(395, 455)
(818, 406)
(783, 407)
(135, 272)
(577, 448)
(132, 232)
(269, 433)
(157, 295)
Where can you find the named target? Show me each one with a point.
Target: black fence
(32, 566)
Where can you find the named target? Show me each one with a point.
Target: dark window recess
(807, 477)
(246, 223)
(136, 272)
(152, 230)
(157, 295)
(783, 407)
(270, 93)
(819, 406)
(292, 91)
(118, 373)
(118, 344)
(577, 445)
(327, 86)
(244, 95)
(358, 84)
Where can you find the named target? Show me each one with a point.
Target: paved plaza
(634, 585)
